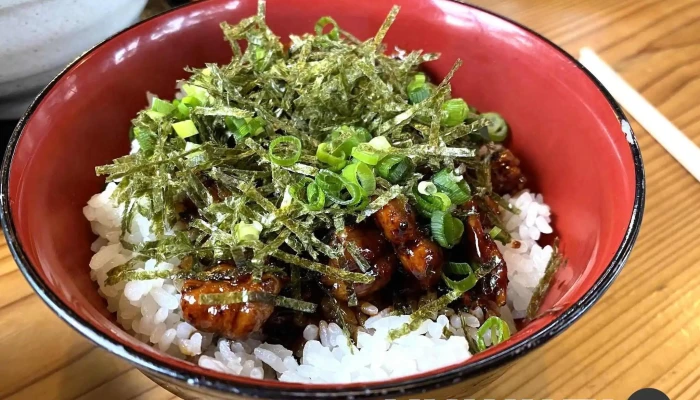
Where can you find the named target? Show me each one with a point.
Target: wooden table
(645, 330)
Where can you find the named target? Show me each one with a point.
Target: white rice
(526, 263)
(150, 310)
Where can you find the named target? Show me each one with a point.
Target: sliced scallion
(335, 160)
(334, 34)
(315, 196)
(457, 189)
(248, 232)
(346, 138)
(458, 268)
(447, 230)
(367, 154)
(155, 115)
(285, 151)
(499, 234)
(417, 90)
(427, 204)
(395, 168)
(191, 101)
(196, 91)
(380, 143)
(339, 189)
(499, 329)
(185, 128)
(497, 129)
(162, 106)
(462, 285)
(427, 188)
(361, 174)
(454, 112)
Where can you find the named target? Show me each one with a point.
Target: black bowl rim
(383, 389)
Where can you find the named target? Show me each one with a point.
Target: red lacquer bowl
(573, 138)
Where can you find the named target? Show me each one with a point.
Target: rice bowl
(59, 181)
(149, 295)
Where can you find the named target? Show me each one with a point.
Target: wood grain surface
(643, 333)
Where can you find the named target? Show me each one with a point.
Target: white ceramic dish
(39, 37)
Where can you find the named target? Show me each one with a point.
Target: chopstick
(658, 126)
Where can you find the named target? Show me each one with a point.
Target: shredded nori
(245, 296)
(555, 262)
(196, 190)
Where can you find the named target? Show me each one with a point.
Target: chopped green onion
(427, 204)
(445, 199)
(346, 138)
(499, 329)
(452, 185)
(361, 174)
(380, 143)
(183, 110)
(256, 124)
(162, 106)
(238, 127)
(334, 34)
(248, 232)
(195, 91)
(447, 230)
(329, 182)
(185, 128)
(395, 168)
(245, 296)
(499, 234)
(333, 184)
(417, 90)
(308, 193)
(155, 115)
(315, 196)
(335, 161)
(462, 285)
(242, 127)
(367, 154)
(454, 112)
(427, 188)
(458, 268)
(191, 101)
(285, 151)
(498, 129)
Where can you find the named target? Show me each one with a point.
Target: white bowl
(39, 37)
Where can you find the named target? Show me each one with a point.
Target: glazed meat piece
(506, 176)
(375, 249)
(482, 248)
(419, 255)
(233, 321)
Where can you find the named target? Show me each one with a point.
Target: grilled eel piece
(506, 175)
(233, 321)
(418, 254)
(490, 290)
(375, 249)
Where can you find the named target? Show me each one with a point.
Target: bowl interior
(564, 130)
